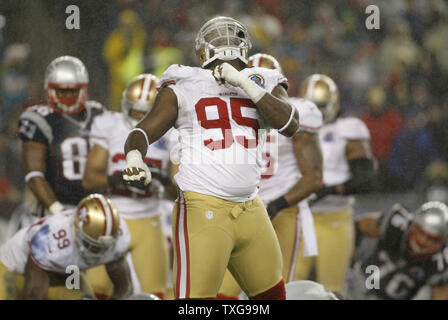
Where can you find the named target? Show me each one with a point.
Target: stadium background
(394, 78)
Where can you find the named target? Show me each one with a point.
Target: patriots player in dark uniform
(55, 137)
(411, 254)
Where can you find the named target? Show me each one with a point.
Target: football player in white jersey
(139, 207)
(347, 170)
(37, 261)
(293, 172)
(218, 220)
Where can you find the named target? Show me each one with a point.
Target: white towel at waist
(307, 227)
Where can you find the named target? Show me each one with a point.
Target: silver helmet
(139, 95)
(66, 72)
(222, 38)
(432, 217)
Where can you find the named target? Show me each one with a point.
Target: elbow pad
(362, 180)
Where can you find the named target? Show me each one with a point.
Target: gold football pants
(335, 236)
(211, 234)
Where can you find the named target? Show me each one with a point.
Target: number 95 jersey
(67, 146)
(218, 128)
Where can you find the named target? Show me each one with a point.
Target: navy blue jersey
(401, 276)
(67, 146)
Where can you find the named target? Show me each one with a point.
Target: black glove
(157, 174)
(319, 194)
(116, 181)
(275, 206)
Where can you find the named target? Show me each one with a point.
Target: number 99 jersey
(67, 146)
(50, 242)
(218, 128)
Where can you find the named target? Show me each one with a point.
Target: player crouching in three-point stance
(33, 263)
(411, 253)
(218, 220)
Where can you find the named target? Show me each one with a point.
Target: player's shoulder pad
(107, 120)
(175, 74)
(310, 117)
(38, 115)
(40, 245)
(266, 78)
(352, 128)
(398, 216)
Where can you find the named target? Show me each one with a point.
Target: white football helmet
(66, 72)
(222, 38)
(308, 290)
(139, 95)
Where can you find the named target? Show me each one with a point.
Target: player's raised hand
(136, 170)
(227, 73)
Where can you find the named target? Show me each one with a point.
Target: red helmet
(66, 73)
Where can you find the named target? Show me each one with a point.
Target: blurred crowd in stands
(394, 78)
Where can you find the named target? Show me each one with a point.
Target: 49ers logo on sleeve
(223, 121)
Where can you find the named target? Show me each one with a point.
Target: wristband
(33, 174)
(293, 112)
(134, 156)
(56, 207)
(276, 206)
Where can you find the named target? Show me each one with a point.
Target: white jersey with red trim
(51, 244)
(281, 171)
(218, 127)
(333, 138)
(110, 131)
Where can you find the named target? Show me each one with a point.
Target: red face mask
(421, 244)
(67, 99)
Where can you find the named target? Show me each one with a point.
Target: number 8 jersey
(218, 131)
(67, 146)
